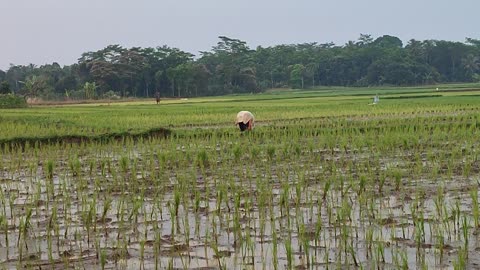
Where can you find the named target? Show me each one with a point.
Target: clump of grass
(202, 158)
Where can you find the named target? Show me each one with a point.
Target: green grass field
(277, 105)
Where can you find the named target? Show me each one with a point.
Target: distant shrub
(111, 95)
(12, 101)
(76, 95)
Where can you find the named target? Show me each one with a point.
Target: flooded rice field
(281, 199)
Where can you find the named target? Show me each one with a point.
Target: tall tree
(311, 70)
(471, 65)
(297, 74)
(90, 90)
(34, 86)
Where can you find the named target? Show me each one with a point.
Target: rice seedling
(461, 261)
(289, 251)
(475, 207)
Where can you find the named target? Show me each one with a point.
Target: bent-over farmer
(245, 120)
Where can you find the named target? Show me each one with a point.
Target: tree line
(232, 67)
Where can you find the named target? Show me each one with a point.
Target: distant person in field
(245, 120)
(157, 97)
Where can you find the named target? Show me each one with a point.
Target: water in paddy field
(309, 207)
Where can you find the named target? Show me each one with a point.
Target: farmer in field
(245, 120)
(157, 97)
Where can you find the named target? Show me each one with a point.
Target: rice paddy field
(326, 180)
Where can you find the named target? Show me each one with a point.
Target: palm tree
(471, 64)
(311, 69)
(89, 89)
(33, 86)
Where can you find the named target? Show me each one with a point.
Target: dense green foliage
(11, 101)
(5, 88)
(232, 67)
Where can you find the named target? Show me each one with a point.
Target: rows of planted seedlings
(380, 192)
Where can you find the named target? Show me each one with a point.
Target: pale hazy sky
(46, 31)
